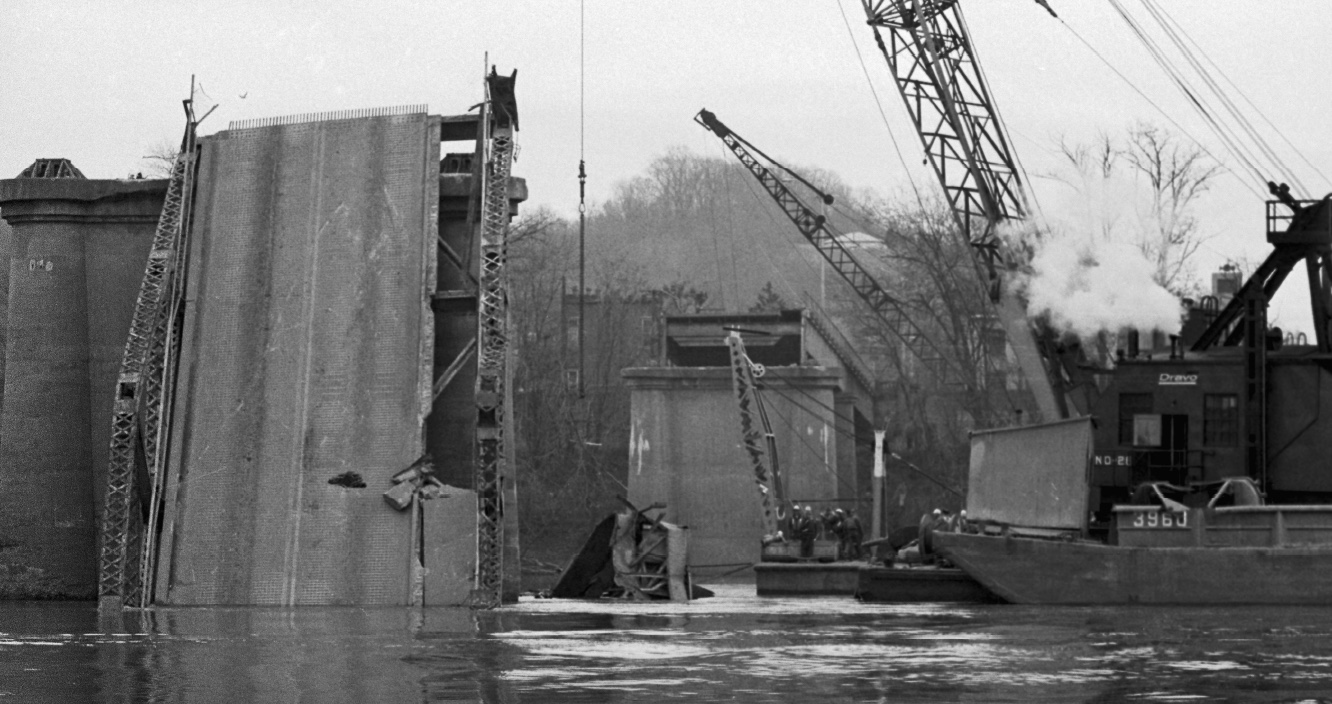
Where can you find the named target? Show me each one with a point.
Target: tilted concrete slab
(307, 353)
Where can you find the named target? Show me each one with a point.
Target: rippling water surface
(735, 647)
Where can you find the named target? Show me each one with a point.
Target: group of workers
(940, 521)
(845, 528)
(839, 524)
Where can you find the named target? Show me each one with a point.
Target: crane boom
(935, 69)
(814, 228)
(759, 441)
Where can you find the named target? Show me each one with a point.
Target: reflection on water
(735, 647)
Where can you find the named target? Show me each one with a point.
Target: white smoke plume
(1087, 269)
(1089, 284)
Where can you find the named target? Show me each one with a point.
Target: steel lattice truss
(1244, 319)
(935, 69)
(1292, 246)
(492, 338)
(142, 405)
(814, 228)
(759, 443)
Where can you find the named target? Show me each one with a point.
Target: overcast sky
(99, 82)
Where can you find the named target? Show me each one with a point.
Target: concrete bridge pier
(75, 261)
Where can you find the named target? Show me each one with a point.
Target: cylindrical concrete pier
(75, 261)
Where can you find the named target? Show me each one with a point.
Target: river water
(734, 647)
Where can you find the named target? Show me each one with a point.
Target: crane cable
(1243, 95)
(730, 229)
(1178, 37)
(716, 249)
(953, 341)
(853, 218)
(1246, 127)
(795, 432)
(582, 200)
(1252, 157)
(764, 205)
(877, 102)
(1002, 126)
(1129, 82)
(1182, 84)
(790, 399)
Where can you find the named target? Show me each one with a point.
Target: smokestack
(1133, 343)
(1226, 283)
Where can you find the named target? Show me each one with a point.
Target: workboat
(1217, 543)
(1163, 553)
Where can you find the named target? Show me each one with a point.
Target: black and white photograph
(884, 351)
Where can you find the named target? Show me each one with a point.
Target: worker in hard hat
(928, 523)
(852, 533)
(806, 529)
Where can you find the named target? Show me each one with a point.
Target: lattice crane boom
(756, 435)
(813, 227)
(934, 66)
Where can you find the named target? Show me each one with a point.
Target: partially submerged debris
(631, 555)
(590, 574)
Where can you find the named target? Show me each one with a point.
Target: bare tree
(1165, 175)
(1178, 174)
(160, 158)
(538, 223)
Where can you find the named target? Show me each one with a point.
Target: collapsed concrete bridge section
(331, 286)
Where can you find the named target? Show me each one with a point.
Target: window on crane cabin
(1131, 405)
(1220, 420)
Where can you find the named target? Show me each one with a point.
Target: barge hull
(1035, 571)
(903, 585)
